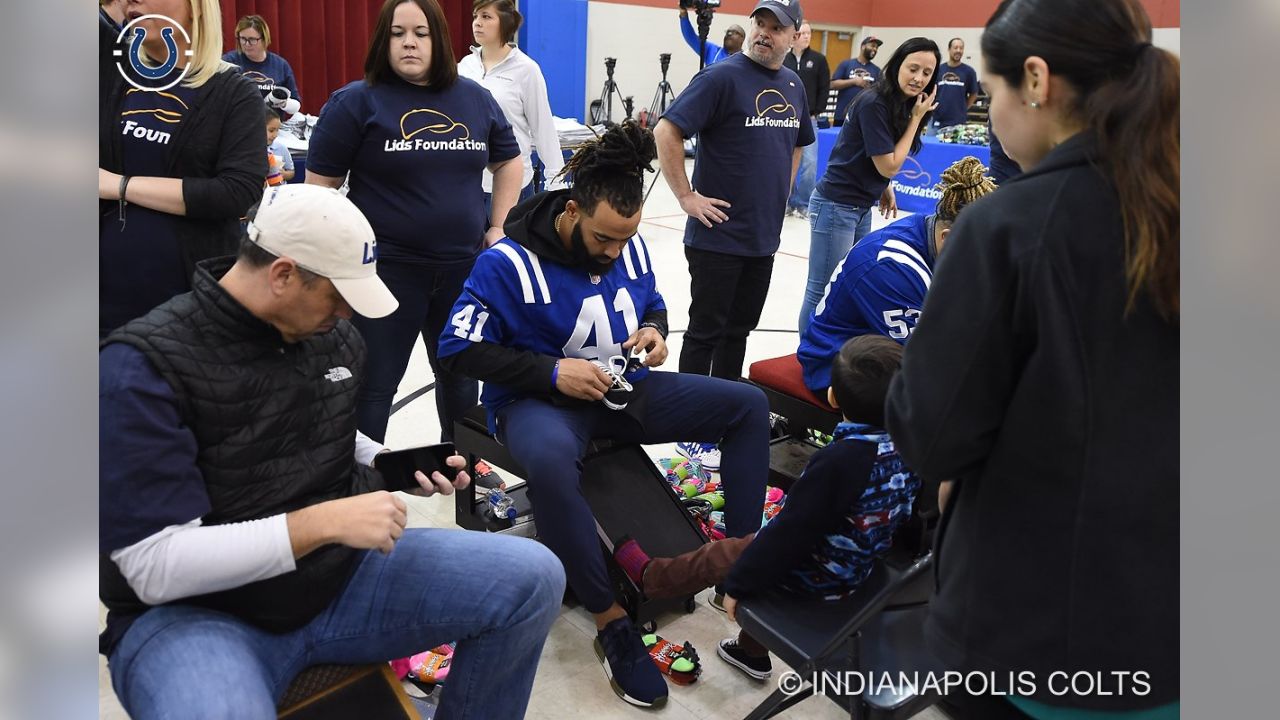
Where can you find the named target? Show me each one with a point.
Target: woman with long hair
(882, 127)
(180, 155)
(414, 139)
(264, 68)
(517, 84)
(1045, 377)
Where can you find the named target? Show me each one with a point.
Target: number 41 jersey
(518, 300)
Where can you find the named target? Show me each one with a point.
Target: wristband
(655, 327)
(124, 185)
(555, 374)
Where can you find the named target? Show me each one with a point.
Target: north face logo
(338, 374)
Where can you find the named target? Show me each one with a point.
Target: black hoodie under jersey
(530, 223)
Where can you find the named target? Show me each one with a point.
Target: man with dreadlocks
(549, 320)
(879, 287)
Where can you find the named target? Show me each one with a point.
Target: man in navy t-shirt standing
(751, 115)
(855, 75)
(957, 89)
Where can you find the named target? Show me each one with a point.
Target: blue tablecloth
(913, 185)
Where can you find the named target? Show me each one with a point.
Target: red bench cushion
(784, 375)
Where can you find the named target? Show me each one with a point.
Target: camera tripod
(663, 96)
(602, 109)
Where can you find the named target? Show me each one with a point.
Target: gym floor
(570, 682)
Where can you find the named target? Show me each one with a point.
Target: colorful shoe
(619, 393)
(678, 662)
(731, 652)
(627, 664)
(431, 666)
(487, 478)
(706, 453)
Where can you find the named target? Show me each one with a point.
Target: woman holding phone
(882, 127)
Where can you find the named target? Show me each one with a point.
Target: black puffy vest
(275, 426)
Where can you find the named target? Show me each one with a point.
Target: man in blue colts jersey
(879, 287)
(549, 319)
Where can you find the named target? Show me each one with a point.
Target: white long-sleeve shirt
(191, 559)
(517, 84)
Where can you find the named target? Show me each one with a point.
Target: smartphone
(397, 467)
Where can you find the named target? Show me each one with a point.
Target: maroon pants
(702, 568)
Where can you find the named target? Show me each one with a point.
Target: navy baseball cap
(787, 11)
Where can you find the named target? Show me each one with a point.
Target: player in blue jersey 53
(879, 287)
(568, 293)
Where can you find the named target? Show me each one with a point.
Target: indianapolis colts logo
(140, 74)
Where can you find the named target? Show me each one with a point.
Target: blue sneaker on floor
(706, 453)
(627, 664)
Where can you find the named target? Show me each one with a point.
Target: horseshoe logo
(135, 55)
(140, 74)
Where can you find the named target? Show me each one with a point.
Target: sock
(632, 559)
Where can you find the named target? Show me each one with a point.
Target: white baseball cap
(324, 232)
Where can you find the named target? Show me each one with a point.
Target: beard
(594, 264)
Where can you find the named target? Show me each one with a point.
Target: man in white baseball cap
(240, 511)
(321, 232)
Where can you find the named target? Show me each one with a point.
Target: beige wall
(635, 35)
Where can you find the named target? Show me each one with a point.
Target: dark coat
(1057, 414)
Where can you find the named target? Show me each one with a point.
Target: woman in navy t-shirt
(416, 139)
(882, 127)
(262, 67)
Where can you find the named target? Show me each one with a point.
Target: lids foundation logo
(772, 102)
(418, 126)
(138, 73)
(432, 121)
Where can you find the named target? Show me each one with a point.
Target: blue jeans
(550, 440)
(833, 229)
(806, 175)
(426, 294)
(497, 596)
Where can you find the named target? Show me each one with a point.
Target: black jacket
(813, 70)
(220, 152)
(530, 223)
(275, 430)
(1058, 415)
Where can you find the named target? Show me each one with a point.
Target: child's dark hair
(611, 168)
(271, 113)
(860, 377)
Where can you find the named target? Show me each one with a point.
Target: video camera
(699, 5)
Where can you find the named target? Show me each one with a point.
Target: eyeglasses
(248, 40)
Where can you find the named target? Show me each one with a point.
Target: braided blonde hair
(962, 183)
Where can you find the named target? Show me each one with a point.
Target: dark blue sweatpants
(549, 441)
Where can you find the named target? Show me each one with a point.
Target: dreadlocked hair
(611, 168)
(962, 183)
